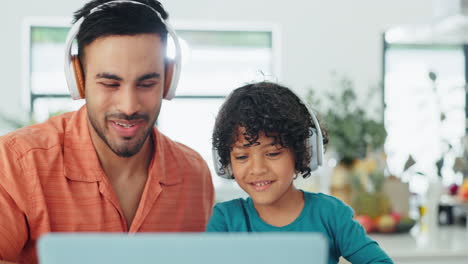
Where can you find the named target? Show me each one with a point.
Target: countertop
(447, 244)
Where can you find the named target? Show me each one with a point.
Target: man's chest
(95, 207)
(129, 194)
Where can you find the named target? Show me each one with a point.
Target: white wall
(317, 36)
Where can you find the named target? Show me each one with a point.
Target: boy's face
(265, 171)
(124, 88)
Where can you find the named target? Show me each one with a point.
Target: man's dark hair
(119, 19)
(269, 108)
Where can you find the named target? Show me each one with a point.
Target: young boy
(264, 137)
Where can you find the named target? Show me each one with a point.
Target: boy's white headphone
(314, 144)
(74, 73)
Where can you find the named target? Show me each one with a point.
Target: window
(47, 91)
(415, 107)
(214, 62)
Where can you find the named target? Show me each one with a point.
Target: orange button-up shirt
(51, 181)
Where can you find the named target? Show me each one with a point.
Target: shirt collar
(82, 163)
(164, 155)
(80, 158)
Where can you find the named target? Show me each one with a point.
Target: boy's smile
(261, 185)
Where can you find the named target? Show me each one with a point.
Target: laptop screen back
(178, 248)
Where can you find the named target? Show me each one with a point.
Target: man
(104, 168)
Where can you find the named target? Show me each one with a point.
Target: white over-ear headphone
(74, 73)
(314, 144)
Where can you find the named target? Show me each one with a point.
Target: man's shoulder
(176, 163)
(179, 151)
(41, 136)
(25, 152)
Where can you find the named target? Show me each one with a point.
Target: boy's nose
(258, 166)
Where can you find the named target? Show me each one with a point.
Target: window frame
(28, 96)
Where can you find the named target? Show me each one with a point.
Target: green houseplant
(351, 131)
(353, 135)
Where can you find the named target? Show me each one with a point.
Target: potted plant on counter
(353, 134)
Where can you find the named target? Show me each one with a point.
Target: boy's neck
(284, 211)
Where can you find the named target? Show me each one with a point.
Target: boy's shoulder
(234, 209)
(232, 205)
(320, 203)
(325, 202)
(315, 200)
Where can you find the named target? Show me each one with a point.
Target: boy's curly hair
(269, 108)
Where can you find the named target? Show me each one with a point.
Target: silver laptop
(178, 248)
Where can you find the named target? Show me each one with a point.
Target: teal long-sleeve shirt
(322, 213)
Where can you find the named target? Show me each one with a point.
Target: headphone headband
(70, 77)
(110, 3)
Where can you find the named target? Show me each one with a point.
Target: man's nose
(129, 102)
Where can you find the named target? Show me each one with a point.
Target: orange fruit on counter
(386, 223)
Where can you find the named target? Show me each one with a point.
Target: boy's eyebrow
(239, 147)
(263, 146)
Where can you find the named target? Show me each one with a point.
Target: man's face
(124, 88)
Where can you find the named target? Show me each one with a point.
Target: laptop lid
(178, 248)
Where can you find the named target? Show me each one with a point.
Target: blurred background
(387, 78)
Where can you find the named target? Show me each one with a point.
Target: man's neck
(117, 167)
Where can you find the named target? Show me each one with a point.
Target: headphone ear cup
(313, 150)
(79, 76)
(223, 172)
(168, 74)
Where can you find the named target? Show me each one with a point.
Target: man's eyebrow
(149, 76)
(107, 75)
